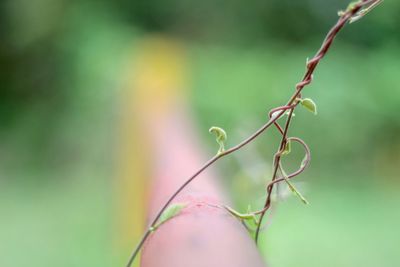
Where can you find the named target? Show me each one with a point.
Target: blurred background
(67, 112)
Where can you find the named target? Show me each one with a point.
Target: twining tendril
(353, 12)
(304, 164)
(311, 65)
(306, 161)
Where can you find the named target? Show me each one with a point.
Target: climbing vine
(352, 13)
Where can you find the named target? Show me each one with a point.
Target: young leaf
(364, 11)
(243, 216)
(170, 212)
(287, 149)
(309, 104)
(220, 137)
(352, 5)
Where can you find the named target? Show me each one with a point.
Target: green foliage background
(60, 77)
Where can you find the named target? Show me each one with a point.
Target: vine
(353, 12)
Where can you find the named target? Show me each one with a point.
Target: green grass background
(56, 146)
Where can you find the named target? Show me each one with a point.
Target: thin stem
(304, 165)
(138, 247)
(291, 105)
(170, 199)
(307, 79)
(196, 174)
(277, 159)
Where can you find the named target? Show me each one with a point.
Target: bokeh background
(64, 66)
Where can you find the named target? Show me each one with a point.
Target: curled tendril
(305, 163)
(291, 186)
(351, 14)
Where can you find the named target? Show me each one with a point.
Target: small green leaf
(364, 11)
(349, 8)
(243, 216)
(170, 212)
(340, 13)
(288, 148)
(221, 137)
(352, 5)
(309, 104)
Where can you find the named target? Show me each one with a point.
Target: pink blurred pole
(202, 234)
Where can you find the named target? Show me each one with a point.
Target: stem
(291, 105)
(277, 160)
(307, 79)
(138, 247)
(196, 174)
(170, 199)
